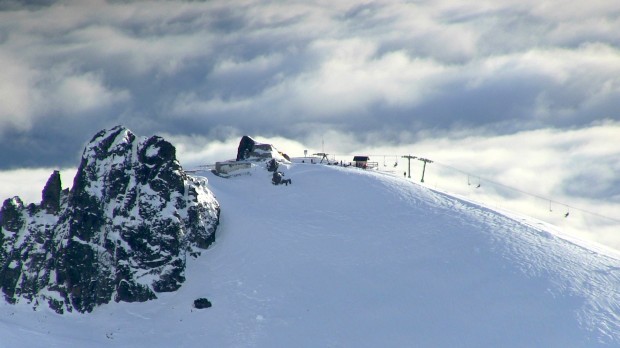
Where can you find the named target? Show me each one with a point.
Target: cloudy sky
(521, 92)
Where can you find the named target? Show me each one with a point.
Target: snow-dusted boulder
(122, 233)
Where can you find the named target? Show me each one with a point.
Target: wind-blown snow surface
(348, 258)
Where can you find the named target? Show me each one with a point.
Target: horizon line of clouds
(588, 153)
(548, 173)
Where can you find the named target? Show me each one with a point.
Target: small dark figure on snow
(278, 179)
(272, 166)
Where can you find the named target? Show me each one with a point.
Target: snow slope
(350, 258)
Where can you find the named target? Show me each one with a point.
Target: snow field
(349, 258)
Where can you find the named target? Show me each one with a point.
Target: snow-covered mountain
(350, 258)
(121, 233)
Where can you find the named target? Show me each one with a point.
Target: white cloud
(73, 94)
(574, 11)
(15, 94)
(318, 63)
(29, 183)
(195, 150)
(353, 76)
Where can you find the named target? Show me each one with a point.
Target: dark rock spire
(51, 193)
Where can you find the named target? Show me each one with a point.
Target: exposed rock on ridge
(51, 193)
(122, 233)
(250, 149)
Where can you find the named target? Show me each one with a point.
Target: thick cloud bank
(381, 71)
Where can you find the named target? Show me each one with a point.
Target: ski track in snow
(349, 258)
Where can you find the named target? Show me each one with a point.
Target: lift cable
(568, 207)
(531, 194)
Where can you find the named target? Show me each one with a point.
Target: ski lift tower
(323, 156)
(424, 168)
(409, 158)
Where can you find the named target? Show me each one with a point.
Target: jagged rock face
(122, 233)
(12, 219)
(12, 222)
(250, 149)
(51, 193)
(26, 249)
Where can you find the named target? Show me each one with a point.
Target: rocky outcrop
(51, 193)
(123, 232)
(201, 303)
(250, 149)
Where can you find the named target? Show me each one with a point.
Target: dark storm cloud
(14, 5)
(380, 71)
